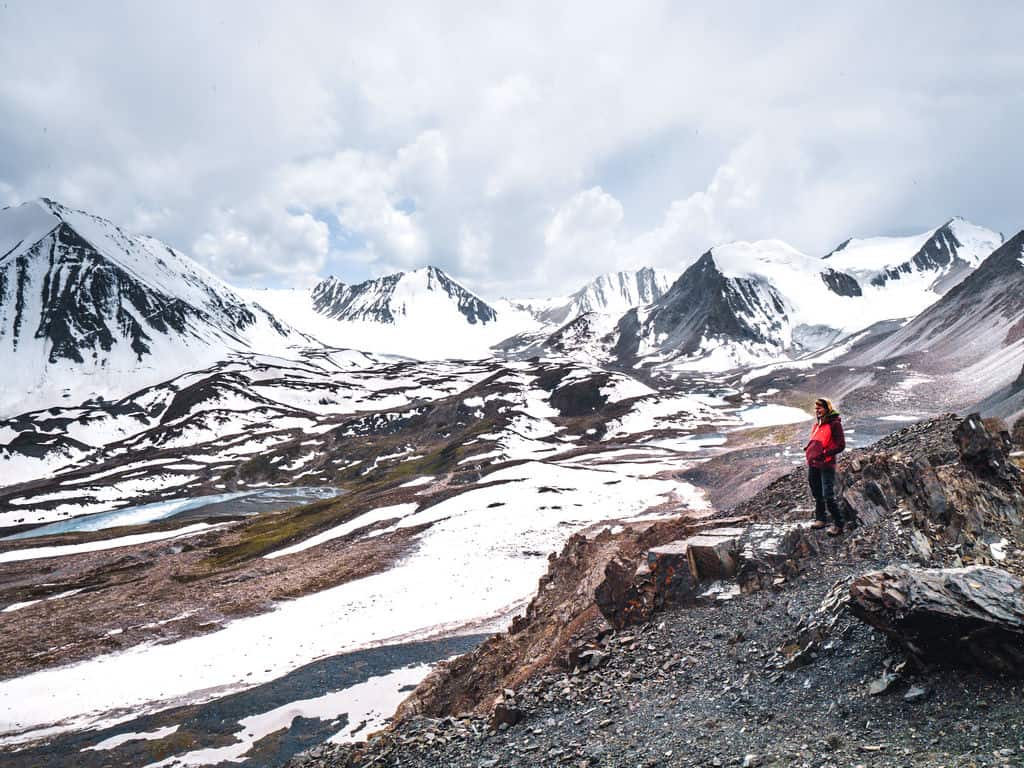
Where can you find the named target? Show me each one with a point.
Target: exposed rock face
(985, 454)
(939, 254)
(615, 292)
(953, 616)
(560, 618)
(387, 298)
(85, 299)
(841, 283)
(705, 304)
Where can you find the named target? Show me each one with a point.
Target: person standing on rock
(827, 441)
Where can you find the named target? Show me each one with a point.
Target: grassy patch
(272, 531)
(778, 434)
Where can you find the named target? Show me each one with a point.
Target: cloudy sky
(523, 150)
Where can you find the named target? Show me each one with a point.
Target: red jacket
(827, 439)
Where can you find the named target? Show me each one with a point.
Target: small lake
(233, 504)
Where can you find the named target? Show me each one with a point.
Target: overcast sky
(523, 150)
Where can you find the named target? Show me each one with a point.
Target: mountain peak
(418, 296)
(79, 295)
(611, 293)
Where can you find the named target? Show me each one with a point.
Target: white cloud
(463, 136)
(275, 247)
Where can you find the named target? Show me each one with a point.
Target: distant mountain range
(613, 293)
(88, 308)
(742, 303)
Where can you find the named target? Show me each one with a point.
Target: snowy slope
(750, 302)
(423, 314)
(940, 257)
(87, 309)
(613, 293)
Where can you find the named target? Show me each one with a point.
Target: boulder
(672, 575)
(713, 555)
(954, 616)
(626, 596)
(984, 453)
(506, 712)
(768, 549)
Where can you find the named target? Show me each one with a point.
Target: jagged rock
(626, 596)
(506, 713)
(915, 694)
(955, 616)
(672, 573)
(767, 549)
(814, 632)
(920, 546)
(882, 683)
(591, 659)
(985, 454)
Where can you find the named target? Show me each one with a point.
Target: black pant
(823, 489)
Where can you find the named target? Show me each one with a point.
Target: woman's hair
(826, 404)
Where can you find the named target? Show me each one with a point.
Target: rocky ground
(781, 676)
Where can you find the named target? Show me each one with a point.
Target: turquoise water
(221, 504)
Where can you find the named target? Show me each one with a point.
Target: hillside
(779, 669)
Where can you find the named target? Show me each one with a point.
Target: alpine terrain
(744, 303)
(86, 308)
(431, 530)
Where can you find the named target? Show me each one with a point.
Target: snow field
(469, 564)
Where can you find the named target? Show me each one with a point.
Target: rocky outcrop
(950, 487)
(984, 453)
(954, 616)
(841, 283)
(557, 625)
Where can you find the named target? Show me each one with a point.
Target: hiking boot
(834, 530)
(818, 525)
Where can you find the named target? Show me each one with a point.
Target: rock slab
(952, 616)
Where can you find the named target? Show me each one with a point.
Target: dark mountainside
(89, 302)
(747, 639)
(702, 303)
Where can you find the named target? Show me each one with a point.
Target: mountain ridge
(82, 299)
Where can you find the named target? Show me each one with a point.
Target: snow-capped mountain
(422, 293)
(423, 314)
(613, 293)
(975, 332)
(705, 309)
(744, 302)
(939, 258)
(86, 308)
